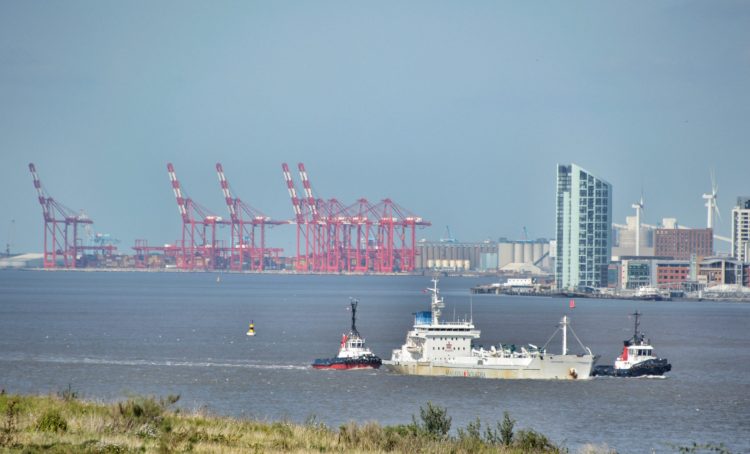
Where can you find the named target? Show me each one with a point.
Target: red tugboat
(352, 353)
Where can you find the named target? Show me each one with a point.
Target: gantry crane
(244, 221)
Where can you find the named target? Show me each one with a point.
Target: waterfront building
(637, 273)
(584, 228)
(683, 243)
(455, 256)
(723, 271)
(486, 256)
(624, 238)
(741, 229)
(673, 274)
(667, 273)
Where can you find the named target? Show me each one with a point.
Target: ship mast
(436, 303)
(354, 302)
(636, 336)
(564, 323)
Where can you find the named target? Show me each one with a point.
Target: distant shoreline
(479, 290)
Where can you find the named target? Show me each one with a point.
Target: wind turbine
(638, 210)
(711, 202)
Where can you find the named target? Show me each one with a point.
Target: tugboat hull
(347, 363)
(651, 367)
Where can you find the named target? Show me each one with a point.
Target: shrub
(9, 428)
(506, 429)
(143, 410)
(471, 437)
(435, 420)
(51, 421)
(532, 441)
(100, 447)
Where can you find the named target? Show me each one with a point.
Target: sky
(458, 111)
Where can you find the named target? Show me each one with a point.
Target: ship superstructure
(435, 347)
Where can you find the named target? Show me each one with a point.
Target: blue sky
(459, 111)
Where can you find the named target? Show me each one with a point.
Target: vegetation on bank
(63, 423)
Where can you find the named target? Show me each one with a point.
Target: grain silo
(528, 252)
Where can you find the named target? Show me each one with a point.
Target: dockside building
(741, 229)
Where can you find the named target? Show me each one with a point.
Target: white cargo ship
(439, 348)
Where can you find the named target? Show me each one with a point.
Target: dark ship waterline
(352, 353)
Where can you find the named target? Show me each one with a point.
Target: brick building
(680, 244)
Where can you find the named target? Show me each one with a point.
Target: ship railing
(454, 322)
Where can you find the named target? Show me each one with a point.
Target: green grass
(64, 424)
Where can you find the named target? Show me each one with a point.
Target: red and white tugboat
(637, 358)
(352, 353)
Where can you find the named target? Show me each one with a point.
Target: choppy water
(109, 335)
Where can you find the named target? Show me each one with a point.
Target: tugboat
(352, 353)
(637, 358)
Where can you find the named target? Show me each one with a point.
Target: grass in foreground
(65, 424)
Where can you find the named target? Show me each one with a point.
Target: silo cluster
(524, 252)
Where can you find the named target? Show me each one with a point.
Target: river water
(111, 335)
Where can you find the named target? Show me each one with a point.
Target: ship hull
(652, 367)
(347, 363)
(552, 367)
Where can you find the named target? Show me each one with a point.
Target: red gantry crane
(362, 248)
(300, 263)
(359, 238)
(199, 247)
(61, 230)
(244, 221)
(396, 237)
(315, 226)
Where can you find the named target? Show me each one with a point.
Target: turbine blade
(714, 186)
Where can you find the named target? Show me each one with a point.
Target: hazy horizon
(458, 112)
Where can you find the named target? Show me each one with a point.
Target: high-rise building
(741, 229)
(584, 228)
